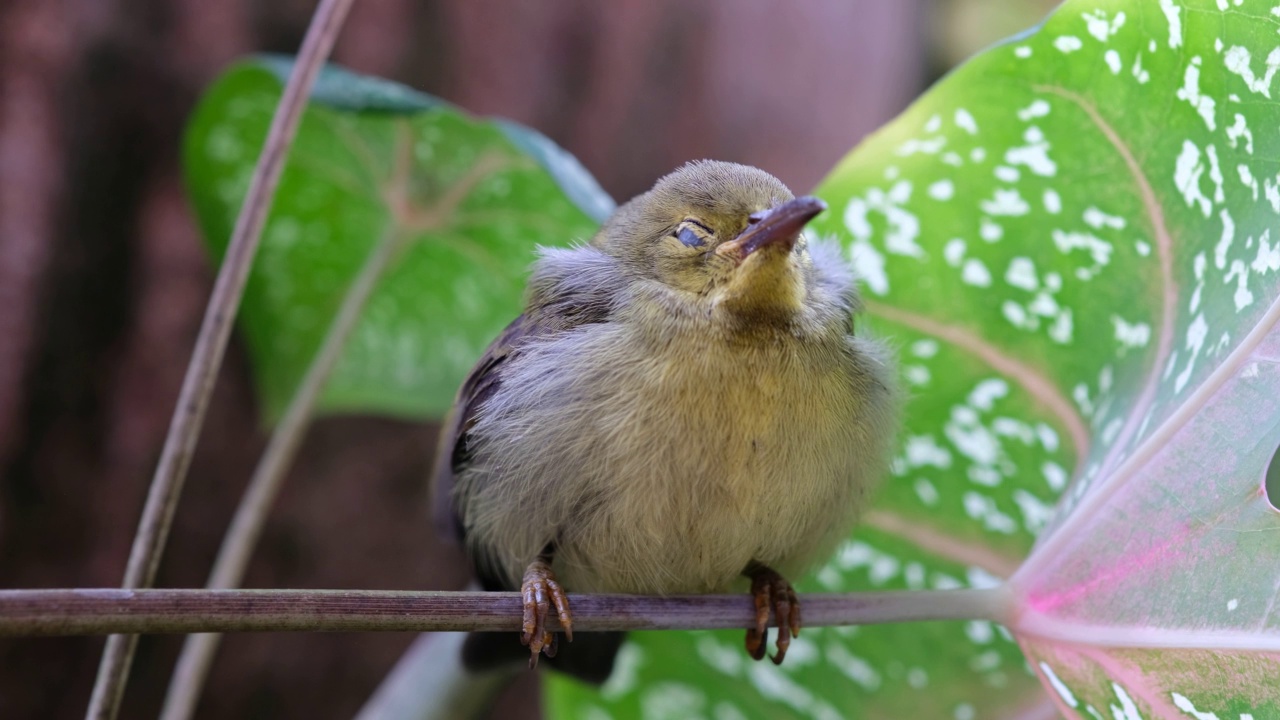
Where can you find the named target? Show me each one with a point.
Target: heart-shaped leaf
(1073, 240)
(464, 200)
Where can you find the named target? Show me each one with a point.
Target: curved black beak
(777, 226)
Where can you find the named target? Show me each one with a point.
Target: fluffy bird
(683, 408)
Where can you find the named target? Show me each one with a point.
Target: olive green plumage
(682, 397)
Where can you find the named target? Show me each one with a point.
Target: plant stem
(102, 611)
(246, 527)
(197, 385)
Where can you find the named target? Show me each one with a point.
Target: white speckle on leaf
(1005, 202)
(1268, 259)
(1272, 190)
(1247, 179)
(1232, 604)
(926, 146)
(975, 273)
(917, 375)
(772, 683)
(1185, 705)
(1037, 108)
(985, 476)
(964, 711)
(1022, 51)
(1142, 76)
(982, 508)
(1239, 62)
(964, 121)
(1142, 247)
(984, 394)
(1215, 173)
(979, 632)
(1061, 329)
(1017, 316)
(1034, 155)
(1190, 92)
(942, 190)
(1052, 202)
(1186, 177)
(1112, 58)
(1240, 129)
(1068, 43)
(1022, 274)
(924, 348)
(953, 252)
(1004, 173)
(989, 230)
(728, 660)
(1127, 710)
(1243, 297)
(1035, 512)
(1099, 249)
(1131, 335)
(1225, 240)
(1054, 475)
(868, 263)
(1196, 333)
(1173, 14)
(926, 491)
(853, 667)
(922, 450)
(671, 701)
(978, 154)
(1098, 26)
(1097, 219)
(1063, 691)
(933, 124)
(1048, 437)
(917, 678)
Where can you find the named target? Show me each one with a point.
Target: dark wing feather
(452, 454)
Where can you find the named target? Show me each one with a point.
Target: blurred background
(103, 279)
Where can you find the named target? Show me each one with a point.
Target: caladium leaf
(466, 200)
(1074, 241)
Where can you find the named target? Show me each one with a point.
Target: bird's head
(718, 233)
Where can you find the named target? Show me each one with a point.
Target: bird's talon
(771, 591)
(539, 591)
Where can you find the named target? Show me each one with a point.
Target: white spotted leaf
(1074, 242)
(467, 200)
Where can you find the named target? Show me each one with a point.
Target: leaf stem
(197, 385)
(259, 497)
(47, 613)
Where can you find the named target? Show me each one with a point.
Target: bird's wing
(452, 454)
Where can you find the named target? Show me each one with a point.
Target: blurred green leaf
(467, 199)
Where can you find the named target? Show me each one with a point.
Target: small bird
(682, 408)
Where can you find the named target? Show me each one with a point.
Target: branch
(251, 515)
(211, 343)
(49, 613)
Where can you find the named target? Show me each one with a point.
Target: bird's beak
(778, 226)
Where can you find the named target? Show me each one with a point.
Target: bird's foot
(771, 591)
(540, 591)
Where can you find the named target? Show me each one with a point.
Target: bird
(683, 407)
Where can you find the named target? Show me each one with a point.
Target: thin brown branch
(110, 610)
(251, 515)
(193, 398)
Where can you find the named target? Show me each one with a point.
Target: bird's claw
(771, 591)
(540, 591)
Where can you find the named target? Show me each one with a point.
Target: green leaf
(1073, 241)
(466, 200)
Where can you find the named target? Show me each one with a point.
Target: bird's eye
(692, 233)
(689, 237)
